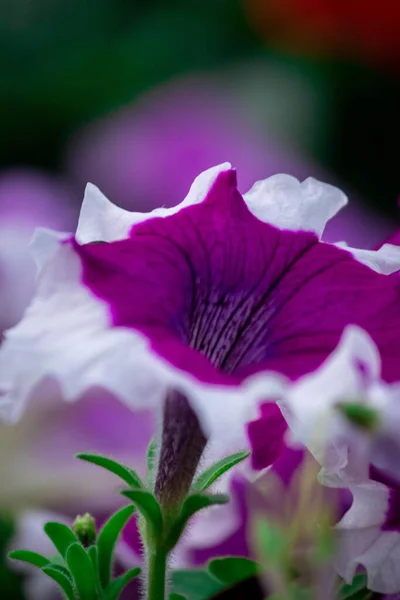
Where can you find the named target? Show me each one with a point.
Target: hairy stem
(157, 574)
(182, 444)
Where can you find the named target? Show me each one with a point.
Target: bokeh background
(138, 97)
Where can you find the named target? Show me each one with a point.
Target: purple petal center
(223, 295)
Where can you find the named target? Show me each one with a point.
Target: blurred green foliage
(64, 63)
(11, 581)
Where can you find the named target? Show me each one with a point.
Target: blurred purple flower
(147, 154)
(28, 199)
(40, 469)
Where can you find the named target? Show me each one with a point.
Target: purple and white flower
(363, 460)
(224, 298)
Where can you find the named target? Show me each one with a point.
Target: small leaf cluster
(163, 528)
(83, 565)
(83, 573)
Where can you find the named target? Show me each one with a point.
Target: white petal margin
(66, 337)
(386, 260)
(287, 203)
(361, 540)
(280, 200)
(101, 220)
(45, 244)
(309, 407)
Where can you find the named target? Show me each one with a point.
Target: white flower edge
(280, 200)
(317, 424)
(100, 219)
(385, 260)
(362, 541)
(287, 203)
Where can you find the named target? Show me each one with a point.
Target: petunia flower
(218, 301)
(355, 457)
(208, 309)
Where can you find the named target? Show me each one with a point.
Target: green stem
(157, 574)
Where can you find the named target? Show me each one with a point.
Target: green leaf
(115, 588)
(11, 580)
(93, 555)
(82, 571)
(196, 502)
(363, 594)
(358, 584)
(61, 536)
(148, 506)
(195, 584)
(151, 459)
(125, 473)
(33, 558)
(177, 597)
(191, 505)
(64, 581)
(219, 468)
(232, 569)
(106, 541)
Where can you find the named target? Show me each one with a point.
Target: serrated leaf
(125, 473)
(33, 558)
(116, 587)
(359, 583)
(61, 576)
(61, 536)
(148, 506)
(192, 505)
(230, 570)
(82, 571)
(106, 541)
(217, 470)
(195, 584)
